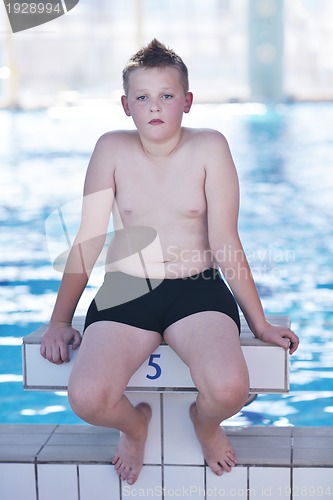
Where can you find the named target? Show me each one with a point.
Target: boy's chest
(172, 190)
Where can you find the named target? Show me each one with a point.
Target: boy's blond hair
(155, 55)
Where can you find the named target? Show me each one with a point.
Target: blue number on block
(157, 367)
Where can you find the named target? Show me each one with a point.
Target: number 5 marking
(157, 367)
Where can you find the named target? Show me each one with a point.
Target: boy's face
(156, 101)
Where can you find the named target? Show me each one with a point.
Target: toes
(216, 467)
(227, 463)
(132, 477)
(231, 459)
(119, 467)
(225, 466)
(232, 455)
(125, 473)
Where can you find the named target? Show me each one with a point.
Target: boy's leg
(208, 342)
(109, 355)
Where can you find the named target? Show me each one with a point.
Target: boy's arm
(97, 204)
(222, 194)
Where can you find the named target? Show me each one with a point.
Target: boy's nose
(154, 106)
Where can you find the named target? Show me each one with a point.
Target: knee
(85, 402)
(230, 394)
(235, 395)
(89, 402)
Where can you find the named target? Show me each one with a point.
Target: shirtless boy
(173, 194)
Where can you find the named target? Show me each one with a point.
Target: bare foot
(216, 447)
(128, 459)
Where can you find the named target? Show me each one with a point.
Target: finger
(291, 334)
(294, 342)
(43, 351)
(54, 356)
(285, 343)
(77, 340)
(48, 354)
(64, 353)
(293, 347)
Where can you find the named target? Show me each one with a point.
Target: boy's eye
(142, 98)
(167, 96)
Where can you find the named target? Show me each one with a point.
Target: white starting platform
(163, 371)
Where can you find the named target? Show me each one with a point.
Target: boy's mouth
(156, 121)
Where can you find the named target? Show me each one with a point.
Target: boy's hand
(56, 340)
(279, 335)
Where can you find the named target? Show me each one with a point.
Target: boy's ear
(124, 103)
(188, 102)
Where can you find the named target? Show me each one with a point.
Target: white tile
(313, 483)
(268, 367)
(181, 445)
(57, 481)
(98, 482)
(230, 484)
(153, 452)
(148, 484)
(184, 482)
(269, 482)
(17, 481)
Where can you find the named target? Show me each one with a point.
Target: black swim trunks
(157, 304)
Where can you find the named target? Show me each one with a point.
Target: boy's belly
(139, 251)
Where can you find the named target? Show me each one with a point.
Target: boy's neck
(161, 149)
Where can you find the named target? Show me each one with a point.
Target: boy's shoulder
(206, 137)
(115, 136)
(208, 134)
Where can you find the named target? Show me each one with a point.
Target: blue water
(284, 157)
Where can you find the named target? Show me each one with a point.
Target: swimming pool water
(284, 156)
